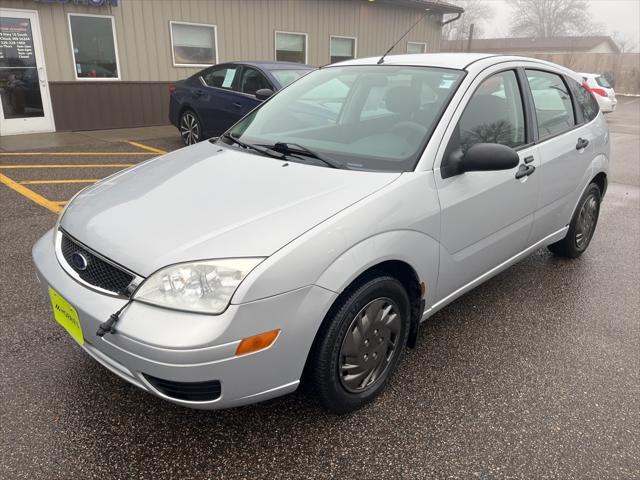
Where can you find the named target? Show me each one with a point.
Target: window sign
(228, 78)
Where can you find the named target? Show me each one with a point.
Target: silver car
(309, 242)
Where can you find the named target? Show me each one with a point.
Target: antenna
(405, 34)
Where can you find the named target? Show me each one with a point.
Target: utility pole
(470, 38)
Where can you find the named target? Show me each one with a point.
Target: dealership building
(96, 64)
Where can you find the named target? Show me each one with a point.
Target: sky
(620, 15)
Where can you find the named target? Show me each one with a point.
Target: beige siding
(245, 30)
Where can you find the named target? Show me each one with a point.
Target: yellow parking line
(70, 154)
(97, 165)
(31, 195)
(45, 182)
(147, 147)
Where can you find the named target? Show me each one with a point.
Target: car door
(486, 217)
(565, 148)
(251, 80)
(216, 100)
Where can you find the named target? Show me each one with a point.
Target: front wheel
(190, 129)
(582, 226)
(360, 344)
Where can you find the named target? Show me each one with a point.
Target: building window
(416, 47)
(342, 48)
(291, 47)
(193, 44)
(94, 47)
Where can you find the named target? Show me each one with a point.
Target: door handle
(582, 143)
(237, 105)
(528, 159)
(525, 171)
(198, 93)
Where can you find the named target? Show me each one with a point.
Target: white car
(310, 240)
(602, 91)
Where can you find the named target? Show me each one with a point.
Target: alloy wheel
(189, 129)
(369, 345)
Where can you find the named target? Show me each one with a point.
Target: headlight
(205, 286)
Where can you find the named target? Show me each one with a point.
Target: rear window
(586, 103)
(554, 110)
(603, 82)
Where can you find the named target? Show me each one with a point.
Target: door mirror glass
(264, 93)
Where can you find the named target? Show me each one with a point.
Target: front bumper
(188, 347)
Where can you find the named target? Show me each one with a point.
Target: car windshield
(375, 117)
(602, 81)
(285, 77)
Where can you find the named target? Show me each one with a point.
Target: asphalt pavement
(535, 374)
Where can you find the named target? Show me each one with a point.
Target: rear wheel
(190, 129)
(360, 344)
(582, 226)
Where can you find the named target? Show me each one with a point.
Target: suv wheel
(582, 225)
(359, 345)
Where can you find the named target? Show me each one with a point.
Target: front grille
(191, 391)
(96, 271)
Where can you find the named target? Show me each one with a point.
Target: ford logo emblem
(79, 261)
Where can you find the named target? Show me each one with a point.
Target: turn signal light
(257, 342)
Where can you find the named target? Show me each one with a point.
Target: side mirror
(264, 93)
(481, 157)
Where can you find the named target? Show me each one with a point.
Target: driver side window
(494, 113)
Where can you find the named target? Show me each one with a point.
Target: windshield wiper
(285, 147)
(264, 151)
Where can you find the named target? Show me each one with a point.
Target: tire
(347, 369)
(582, 226)
(190, 127)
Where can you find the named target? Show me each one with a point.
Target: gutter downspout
(442, 24)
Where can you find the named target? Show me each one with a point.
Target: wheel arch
(602, 181)
(398, 269)
(409, 256)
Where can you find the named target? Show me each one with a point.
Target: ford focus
(307, 243)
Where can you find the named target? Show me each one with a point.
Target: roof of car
(460, 61)
(443, 60)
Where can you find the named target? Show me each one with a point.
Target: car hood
(209, 201)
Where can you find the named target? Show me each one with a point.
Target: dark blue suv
(206, 104)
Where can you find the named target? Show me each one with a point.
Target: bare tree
(625, 42)
(550, 18)
(475, 12)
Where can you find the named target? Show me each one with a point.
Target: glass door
(25, 106)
